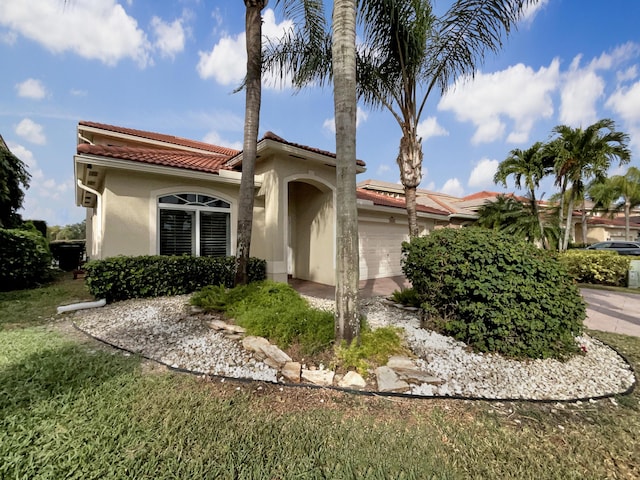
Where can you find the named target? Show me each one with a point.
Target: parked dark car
(623, 248)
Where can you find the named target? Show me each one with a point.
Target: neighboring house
(148, 193)
(602, 229)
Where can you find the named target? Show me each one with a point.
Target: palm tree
(625, 188)
(531, 166)
(253, 89)
(345, 105)
(628, 185)
(500, 213)
(313, 53)
(581, 155)
(406, 53)
(510, 215)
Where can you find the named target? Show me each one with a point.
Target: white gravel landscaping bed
(163, 330)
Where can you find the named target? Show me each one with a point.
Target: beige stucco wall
(129, 203)
(312, 208)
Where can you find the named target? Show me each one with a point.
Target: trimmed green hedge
(25, 259)
(601, 267)
(121, 278)
(495, 292)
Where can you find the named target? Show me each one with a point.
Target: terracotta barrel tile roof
(184, 142)
(387, 201)
(202, 162)
(272, 136)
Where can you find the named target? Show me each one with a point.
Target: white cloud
(94, 29)
(625, 102)
(46, 199)
(76, 92)
(383, 169)
(430, 127)
(214, 138)
(330, 123)
(482, 174)
(226, 63)
(170, 37)
(31, 131)
(531, 10)
(518, 93)
(581, 89)
(453, 187)
(31, 88)
(630, 73)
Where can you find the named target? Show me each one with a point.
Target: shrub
(597, 266)
(274, 311)
(25, 259)
(374, 349)
(121, 278)
(407, 296)
(496, 293)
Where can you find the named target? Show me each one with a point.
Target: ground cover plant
(495, 292)
(73, 408)
(274, 311)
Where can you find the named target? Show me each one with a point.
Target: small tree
(14, 177)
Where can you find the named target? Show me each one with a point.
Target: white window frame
(197, 209)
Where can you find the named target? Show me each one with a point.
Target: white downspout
(96, 248)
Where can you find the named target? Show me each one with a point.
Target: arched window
(194, 224)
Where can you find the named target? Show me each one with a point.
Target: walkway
(606, 310)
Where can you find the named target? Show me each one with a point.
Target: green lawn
(70, 408)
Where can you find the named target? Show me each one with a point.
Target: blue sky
(171, 67)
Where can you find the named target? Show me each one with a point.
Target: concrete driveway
(612, 311)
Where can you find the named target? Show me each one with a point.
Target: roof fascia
(138, 139)
(226, 177)
(267, 145)
(395, 210)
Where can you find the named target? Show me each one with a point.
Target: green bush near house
(274, 311)
(597, 266)
(495, 292)
(25, 259)
(121, 278)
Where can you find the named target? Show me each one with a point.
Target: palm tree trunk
(410, 163)
(536, 211)
(568, 227)
(347, 326)
(584, 221)
(627, 214)
(253, 25)
(563, 190)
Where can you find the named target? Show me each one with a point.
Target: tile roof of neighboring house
(387, 201)
(160, 137)
(614, 222)
(272, 136)
(203, 162)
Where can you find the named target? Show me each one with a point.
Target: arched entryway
(310, 231)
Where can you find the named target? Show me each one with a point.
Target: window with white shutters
(194, 224)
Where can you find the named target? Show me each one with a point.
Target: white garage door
(381, 249)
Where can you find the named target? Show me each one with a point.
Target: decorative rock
(254, 344)
(352, 380)
(275, 354)
(217, 324)
(406, 369)
(388, 380)
(400, 362)
(291, 371)
(318, 377)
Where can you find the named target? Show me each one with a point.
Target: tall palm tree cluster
(579, 160)
(405, 53)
